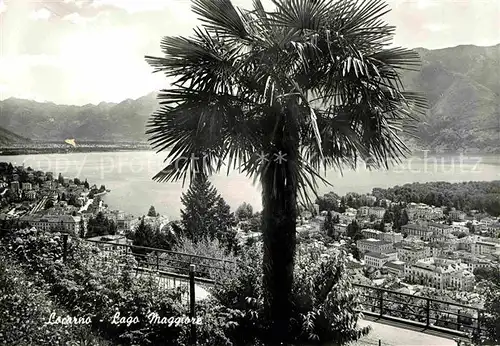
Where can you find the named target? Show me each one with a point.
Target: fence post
(428, 311)
(381, 303)
(192, 303)
(379, 342)
(479, 313)
(65, 247)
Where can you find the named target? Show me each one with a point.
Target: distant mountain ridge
(461, 83)
(7, 136)
(115, 122)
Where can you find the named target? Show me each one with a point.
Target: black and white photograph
(249, 172)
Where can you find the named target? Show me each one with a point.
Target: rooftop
(439, 225)
(376, 255)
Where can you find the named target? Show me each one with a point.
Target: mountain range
(462, 85)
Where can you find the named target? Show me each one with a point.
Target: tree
(100, 226)
(49, 204)
(152, 211)
(373, 217)
(225, 222)
(404, 218)
(354, 231)
(206, 215)
(82, 228)
(77, 181)
(329, 225)
(86, 184)
(388, 217)
(244, 211)
(281, 95)
(63, 197)
(60, 179)
(354, 250)
(73, 201)
(328, 202)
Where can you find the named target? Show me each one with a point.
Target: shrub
(324, 300)
(26, 310)
(205, 267)
(89, 286)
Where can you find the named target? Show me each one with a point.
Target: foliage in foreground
(25, 309)
(89, 286)
(323, 298)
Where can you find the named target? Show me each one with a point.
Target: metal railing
(175, 264)
(448, 317)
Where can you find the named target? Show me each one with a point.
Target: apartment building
(66, 223)
(410, 253)
(31, 195)
(363, 211)
(377, 211)
(457, 215)
(27, 186)
(416, 230)
(396, 268)
(377, 260)
(484, 248)
(374, 245)
(440, 229)
(387, 236)
(423, 211)
(439, 274)
(117, 243)
(15, 186)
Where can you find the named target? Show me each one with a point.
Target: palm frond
(220, 16)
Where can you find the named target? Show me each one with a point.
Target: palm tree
(280, 95)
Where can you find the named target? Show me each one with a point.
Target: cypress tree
(206, 215)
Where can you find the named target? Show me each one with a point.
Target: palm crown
(280, 95)
(314, 78)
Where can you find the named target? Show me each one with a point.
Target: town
(409, 248)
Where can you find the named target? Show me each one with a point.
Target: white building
(440, 229)
(484, 248)
(396, 268)
(410, 253)
(391, 237)
(374, 245)
(116, 243)
(66, 223)
(377, 260)
(377, 211)
(416, 230)
(27, 186)
(422, 211)
(439, 274)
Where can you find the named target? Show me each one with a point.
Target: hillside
(462, 85)
(124, 121)
(7, 136)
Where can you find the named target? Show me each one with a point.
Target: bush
(89, 286)
(205, 267)
(26, 309)
(324, 300)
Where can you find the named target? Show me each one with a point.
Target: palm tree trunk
(279, 235)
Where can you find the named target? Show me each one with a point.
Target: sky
(89, 51)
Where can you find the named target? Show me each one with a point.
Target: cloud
(436, 27)
(41, 14)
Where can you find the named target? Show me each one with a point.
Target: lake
(128, 175)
